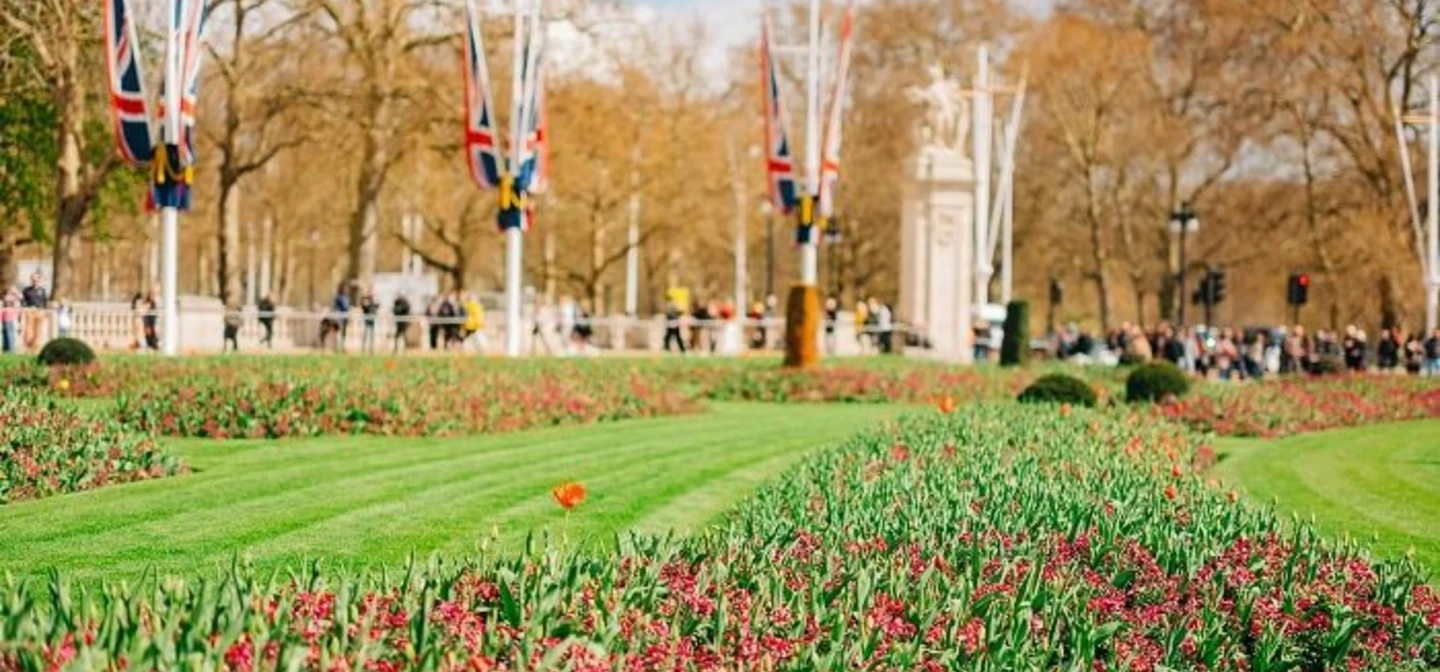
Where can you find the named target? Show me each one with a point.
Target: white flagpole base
(169, 267)
(514, 329)
(1432, 307)
(809, 263)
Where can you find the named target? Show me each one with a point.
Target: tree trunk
(1389, 303)
(71, 200)
(597, 265)
(228, 264)
(1099, 257)
(7, 259)
(365, 221)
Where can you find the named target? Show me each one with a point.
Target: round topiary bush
(1156, 381)
(66, 351)
(1058, 388)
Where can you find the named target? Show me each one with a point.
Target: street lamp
(1182, 223)
(833, 238)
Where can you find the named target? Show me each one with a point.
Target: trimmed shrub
(1130, 359)
(1058, 388)
(1156, 381)
(1015, 347)
(66, 351)
(1328, 365)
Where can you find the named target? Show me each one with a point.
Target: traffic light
(1297, 293)
(1211, 290)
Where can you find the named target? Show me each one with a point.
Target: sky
(733, 22)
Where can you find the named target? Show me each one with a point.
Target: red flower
(1171, 492)
(568, 494)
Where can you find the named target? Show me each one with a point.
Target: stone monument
(937, 224)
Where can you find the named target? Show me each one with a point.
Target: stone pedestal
(937, 251)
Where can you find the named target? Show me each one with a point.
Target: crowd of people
(1237, 353)
(25, 315)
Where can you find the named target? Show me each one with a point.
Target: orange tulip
(946, 404)
(1064, 410)
(568, 494)
(1171, 492)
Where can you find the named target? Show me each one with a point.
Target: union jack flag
(530, 178)
(194, 54)
(830, 156)
(481, 152)
(129, 106)
(779, 163)
(540, 136)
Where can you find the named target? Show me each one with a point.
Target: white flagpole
(983, 141)
(1432, 281)
(169, 215)
(809, 263)
(632, 251)
(515, 236)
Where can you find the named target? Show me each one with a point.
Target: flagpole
(1432, 284)
(515, 235)
(809, 249)
(169, 213)
(632, 251)
(983, 141)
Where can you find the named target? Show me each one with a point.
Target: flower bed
(1298, 405)
(999, 537)
(46, 449)
(424, 399)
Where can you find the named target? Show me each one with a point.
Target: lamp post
(768, 212)
(1182, 223)
(833, 238)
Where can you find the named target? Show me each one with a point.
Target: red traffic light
(1304, 279)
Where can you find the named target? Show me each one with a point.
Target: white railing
(202, 327)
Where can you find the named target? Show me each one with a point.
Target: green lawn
(367, 501)
(1379, 484)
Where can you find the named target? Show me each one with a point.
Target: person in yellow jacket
(474, 326)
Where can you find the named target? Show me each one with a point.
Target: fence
(110, 326)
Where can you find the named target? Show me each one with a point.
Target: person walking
(370, 312)
(432, 320)
(34, 300)
(9, 320)
(339, 317)
(583, 330)
(832, 315)
(885, 322)
(400, 310)
(1432, 354)
(1387, 351)
(672, 327)
(233, 321)
(64, 318)
(863, 338)
(448, 316)
(151, 322)
(266, 310)
(475, 323)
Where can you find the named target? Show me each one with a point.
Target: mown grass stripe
(371, 500)
(1376, 484)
